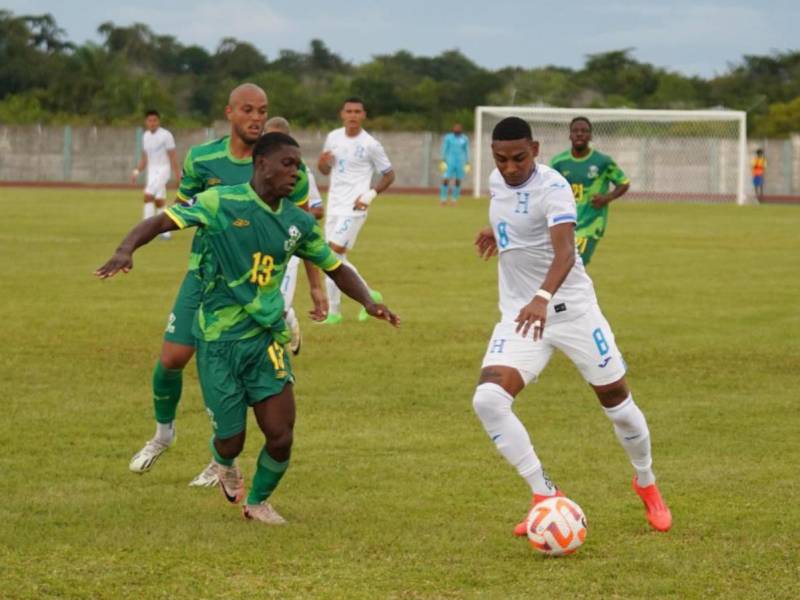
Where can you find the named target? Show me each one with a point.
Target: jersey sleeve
(466, 149)
(199, 211)
(559, 204)
(299, 195)
(378, 158)
(614, 174)
(328, 145)
(170, 141)
(313, 247)
(191, 183)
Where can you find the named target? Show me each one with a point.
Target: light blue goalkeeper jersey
(455, 150)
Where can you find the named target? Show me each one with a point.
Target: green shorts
(179, 323)
(235, 375)
(586, 247)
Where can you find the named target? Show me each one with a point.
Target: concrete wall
(676, 166)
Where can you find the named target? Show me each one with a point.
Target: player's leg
(161, 198)
(288, 288)
(342, 233)
(149, 208)
(176, 352)
(150, 190)
(586, 248)
(269, 377)
(509, 364)
(225, 398)
(443, 192)
(458, 177)
(589, 342)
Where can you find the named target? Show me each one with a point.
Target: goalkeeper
(455, 163)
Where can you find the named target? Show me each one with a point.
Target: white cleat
(262, 512)
(231, 483)
(145, 458)
(207, 478)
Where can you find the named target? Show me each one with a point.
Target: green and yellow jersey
(247, 248)
(589, 176)
(211, 164)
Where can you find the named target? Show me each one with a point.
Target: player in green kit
(590, 174)
(224, 161)
(251, 232)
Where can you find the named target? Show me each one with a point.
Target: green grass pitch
(394, 490)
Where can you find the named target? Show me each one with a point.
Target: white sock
(492, 404)
(334, 296)
(632, 432)
(149, 210)
(165, 432)
(290, 318)
(160, 209)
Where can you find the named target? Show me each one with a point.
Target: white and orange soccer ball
(556, 526)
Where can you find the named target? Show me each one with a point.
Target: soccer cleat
(262, 512)
(145, 458)
(231, 483)
(332, 319)
(521, 528)
(658, 514)
(363, 315)
(207, 477)
(297, 339)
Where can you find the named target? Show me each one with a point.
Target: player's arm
(351, 284)
(486, 243)
(191, 183)
(318, 297)
(173, 161)
(620, 182)
(533, 314)
(326, 159)
(140, 235)
(140, 166)
(380, 162)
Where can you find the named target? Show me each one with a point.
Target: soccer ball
(556, 526)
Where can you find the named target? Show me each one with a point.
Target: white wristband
(135, 172)
(547, 296)
(367, 197)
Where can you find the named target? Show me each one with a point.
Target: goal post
(669, 155)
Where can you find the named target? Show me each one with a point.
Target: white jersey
(521, 218)
(155, 145)
(314, 197)
(356, 159)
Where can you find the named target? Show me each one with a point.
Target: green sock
(167, 385)
(228, 462)
(268, 473)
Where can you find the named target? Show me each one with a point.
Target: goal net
(669, 155)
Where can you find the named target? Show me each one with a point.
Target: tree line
(45, 78)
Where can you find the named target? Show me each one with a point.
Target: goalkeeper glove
(442, 167)
(467, 168)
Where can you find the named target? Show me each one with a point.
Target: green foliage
(395, 491)
(134, 67)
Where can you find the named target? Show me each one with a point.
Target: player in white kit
(547, 302)
(351, 157)
(158, 157)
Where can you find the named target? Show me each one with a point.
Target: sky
(694, 37)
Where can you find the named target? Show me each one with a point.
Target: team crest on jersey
(241, 223)
(294, 237)
(593, 172)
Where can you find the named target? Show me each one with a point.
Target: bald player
(224, 161)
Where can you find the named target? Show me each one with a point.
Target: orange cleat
(521, 528)
(658, 514)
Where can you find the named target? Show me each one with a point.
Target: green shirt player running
(590, 174)
(251, 231)
(226, 161)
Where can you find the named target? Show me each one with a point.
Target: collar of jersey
(526, 182)
(257, 199)
(587, 157)
(231, 157)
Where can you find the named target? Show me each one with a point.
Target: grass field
(394, 490)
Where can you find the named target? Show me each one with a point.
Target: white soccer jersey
(356, 159)
(521, 218)
(155, 145)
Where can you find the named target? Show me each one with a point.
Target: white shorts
(587, 341)
(342, 230)
(289, 283)
(157, 183)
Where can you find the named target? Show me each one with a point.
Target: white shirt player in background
(547, 302)
(158, 157)
(289, 283)
(351, 157)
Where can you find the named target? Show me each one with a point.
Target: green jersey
(211, 164)
(589, 176)
(247, 248)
